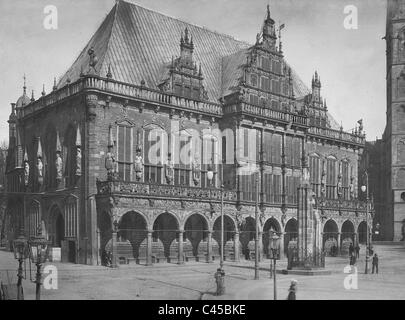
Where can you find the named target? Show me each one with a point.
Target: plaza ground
(195, 280)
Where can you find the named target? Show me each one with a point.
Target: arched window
(331, 178)
(69, 142)
(125, 150)
(34, 218)
(155, 151)
(345, 180)
(49, 146)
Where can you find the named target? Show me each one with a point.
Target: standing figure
(138, 164)
(26, 172)
(109, 165)
(292, 290)
(375, 263)
(79, 161)
(169, 170)
(59, 167)
(196, 170)
(40, 167)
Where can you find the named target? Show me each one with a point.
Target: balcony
(152, 190)
(267, 113)
(337, 135)
(337, 204)
(124, 89)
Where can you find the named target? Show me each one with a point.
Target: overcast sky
(351, 63)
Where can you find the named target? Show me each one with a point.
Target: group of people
(354, 254)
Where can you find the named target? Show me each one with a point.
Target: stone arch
(347, 237)
(290, 234)
(56, 226)
(132, 232)
(362, 232)
(330, 237)
(270, 224)
(247, 236)
(165, 229)
(196, 230)
(229, 230)
(104, 225)
(34, 217)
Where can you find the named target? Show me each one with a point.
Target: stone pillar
(281, 245)
(181, 256)
(339, 238)
(114, 249)
(305, 223)
(355, 239)
(260, 245)
(236, 246)
(149, 249)
(209, 249)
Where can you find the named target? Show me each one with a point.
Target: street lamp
(210, 176)
(39, 247)
(20, 253)
(275, 254)
(365, 189)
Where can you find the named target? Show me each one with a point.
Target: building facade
(159, 120)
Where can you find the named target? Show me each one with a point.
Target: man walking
(351, 249)
(375, 263)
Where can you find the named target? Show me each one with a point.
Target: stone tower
(394, 134)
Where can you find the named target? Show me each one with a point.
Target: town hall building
(154, 124)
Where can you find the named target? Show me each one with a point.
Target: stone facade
(99, 162)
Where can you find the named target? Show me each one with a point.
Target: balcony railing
(160, 190)
(125, 89)
(340, 204)
(266, 112)
(337, 135)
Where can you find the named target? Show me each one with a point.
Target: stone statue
(110, 165)
(79, 161)
(169, 170)
(323, 180)
(40, 167)
(26, 172)
(138, 164)
(351, 188)
(196, 170)
(339, 186)
(59, 167)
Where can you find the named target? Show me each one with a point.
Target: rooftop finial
(32, 96)
(55, 87)
(43, 90)
(268, 11)
(109, 74)
(186, 35)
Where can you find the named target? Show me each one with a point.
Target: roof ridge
(110, 36)
(187, 22)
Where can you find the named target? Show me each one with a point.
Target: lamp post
(257, 229)
(39, 254)
(364, 188)
(20, 253)
(221, 274)
(275, 252)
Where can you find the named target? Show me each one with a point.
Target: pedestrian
(351, 249)
(292, 290)
(247, 256)
(375, 263)
(357, 248)
(219, 279)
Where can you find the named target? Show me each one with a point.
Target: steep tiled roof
(137, 42)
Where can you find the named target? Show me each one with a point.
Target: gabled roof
(137, 42)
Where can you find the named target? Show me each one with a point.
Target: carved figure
(169, 170)
(40, 167)
(79, 162)
(138, 164)
(196, 170)
(59, 167)
(110, 165)
(26, 172)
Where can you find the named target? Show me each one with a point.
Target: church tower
(394, 134)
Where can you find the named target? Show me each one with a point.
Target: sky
(351, 63)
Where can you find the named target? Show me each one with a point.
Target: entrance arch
(271, 224)
(132, 232)
(347, 236)
(362, 232)
(291, 234)
(165, 230)
(330, 237)
(57, 232)
(105, 235)
(229, 232)
(247, 237)
(195, 230)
